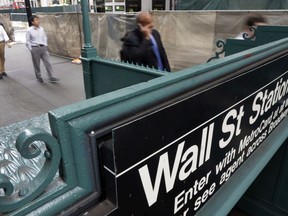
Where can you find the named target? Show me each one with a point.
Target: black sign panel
(133, 5)
(171, 162)
(158, 4)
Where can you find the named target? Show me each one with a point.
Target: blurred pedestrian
(36, 42)
(4, 39)
(252, 20)
(143, 45)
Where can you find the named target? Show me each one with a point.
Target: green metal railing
(261, 35)
(82, 144)
(34, 188)
(78, 126)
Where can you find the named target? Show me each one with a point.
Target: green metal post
(86, 24)
(88, 51)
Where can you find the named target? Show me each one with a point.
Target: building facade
(122, 6)
(100, 6)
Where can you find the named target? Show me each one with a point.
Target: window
(133, 5)
(119, 8)
(108, 8)
(158, 5)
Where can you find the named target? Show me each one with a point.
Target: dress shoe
(4, 74)
(40, 80)
(53, 80)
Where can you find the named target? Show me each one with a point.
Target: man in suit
(143, 45)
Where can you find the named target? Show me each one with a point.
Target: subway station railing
(185, 143)
(265, 34)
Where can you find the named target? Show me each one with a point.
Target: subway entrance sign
(173, 160)
(161, 143)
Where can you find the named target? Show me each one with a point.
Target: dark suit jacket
(138, 50)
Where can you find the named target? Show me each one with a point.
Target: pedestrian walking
(252, 20)
(36, 42)
(143, 45)
(4, 39)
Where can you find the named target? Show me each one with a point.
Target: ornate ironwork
(33, 181)
(219, 44)
(252, 37)
(6, 185)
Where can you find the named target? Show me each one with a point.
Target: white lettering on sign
(172, 168)
(185, 163)
(202, 199)
(264, 100)
(231, 128)
(186, 196)
(229, 156)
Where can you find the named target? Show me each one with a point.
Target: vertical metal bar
(88, 52)
(167, 5)
(86, 24)
(28, 11)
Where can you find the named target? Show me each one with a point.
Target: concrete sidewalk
(22, 97)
